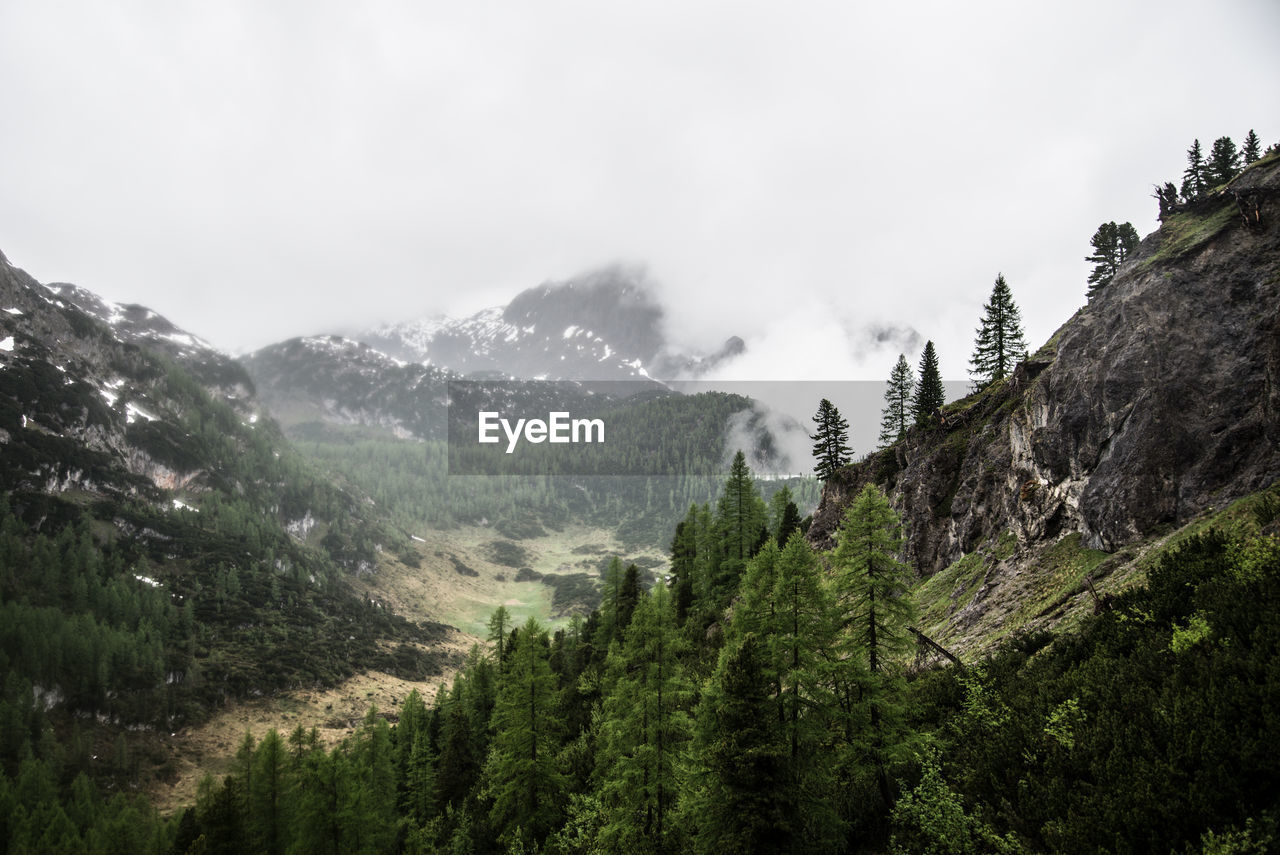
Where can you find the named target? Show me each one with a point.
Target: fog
(802, 175)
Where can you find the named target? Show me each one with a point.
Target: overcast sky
(791, 172)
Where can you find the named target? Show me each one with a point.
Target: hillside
(164, 552)
(1158, 402)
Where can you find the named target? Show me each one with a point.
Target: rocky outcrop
(1157, 400)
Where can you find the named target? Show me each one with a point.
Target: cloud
(256, 171)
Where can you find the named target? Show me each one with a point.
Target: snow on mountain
(603, 325)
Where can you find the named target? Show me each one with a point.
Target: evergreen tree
(267, 819)
(1223, 163)
(897, 403)
(499, 626)
(628, 598)
(830, 442)
(1252, 148)
(610, 628)
(1166, 197)
(789, 524)
(643, 729)
(458, 765)
(999, 344)
(684, 553)
(740, 784)
(801, 646)
(872, 582)
(1193, 179)
(929, 394)
(777, 506)
(740, 514)
(875, 611)
(1111, 246)
(521, 773)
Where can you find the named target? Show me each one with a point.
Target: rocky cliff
(1157, 401)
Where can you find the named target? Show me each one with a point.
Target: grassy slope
(1051, 591)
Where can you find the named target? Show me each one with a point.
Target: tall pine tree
(875, 612)
(522, 776)
(739, 784)
(643, 728)
(929, 394)
(802, 647)
(999, 344)
(830, 441)
(896, 416)
(1193, 178)
(740, 517)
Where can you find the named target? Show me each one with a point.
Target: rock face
(1157, 400)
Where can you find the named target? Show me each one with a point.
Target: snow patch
(419, 539)
(570, 330)
(133, 412)
(17, 312)
(147, 580)
(7, 345)
(179, 505)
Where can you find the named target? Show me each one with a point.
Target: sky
(806, 175)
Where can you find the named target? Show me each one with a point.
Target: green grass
(940, 595)
(1060, 572)
(1187, 231)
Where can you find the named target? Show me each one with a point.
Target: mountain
(1156, 404)
(603, 325)
(150, 509)
(338, 381)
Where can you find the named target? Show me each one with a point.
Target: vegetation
(999, 344)
(929, 394)
(1146, 729)
(1111, 244)
(896, 417)
(830, 440)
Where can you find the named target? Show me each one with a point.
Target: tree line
(999, 344)
(772, 706)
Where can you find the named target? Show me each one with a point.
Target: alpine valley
(246, 608)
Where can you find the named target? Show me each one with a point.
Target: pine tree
(499, 625)
(999, 344)
(875, 611)
(1111, 246)
(929, 394)
(628, 598)
(830, 442)
(267, 821)
(610, 628)
(1223, 163)
(1252, 148)
(684, 553)
(740, 514)
(521, 773)
(1193, 179)
(897, 403)
(789, 524)
(738, 800)
(801, 647)
(643, 729)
